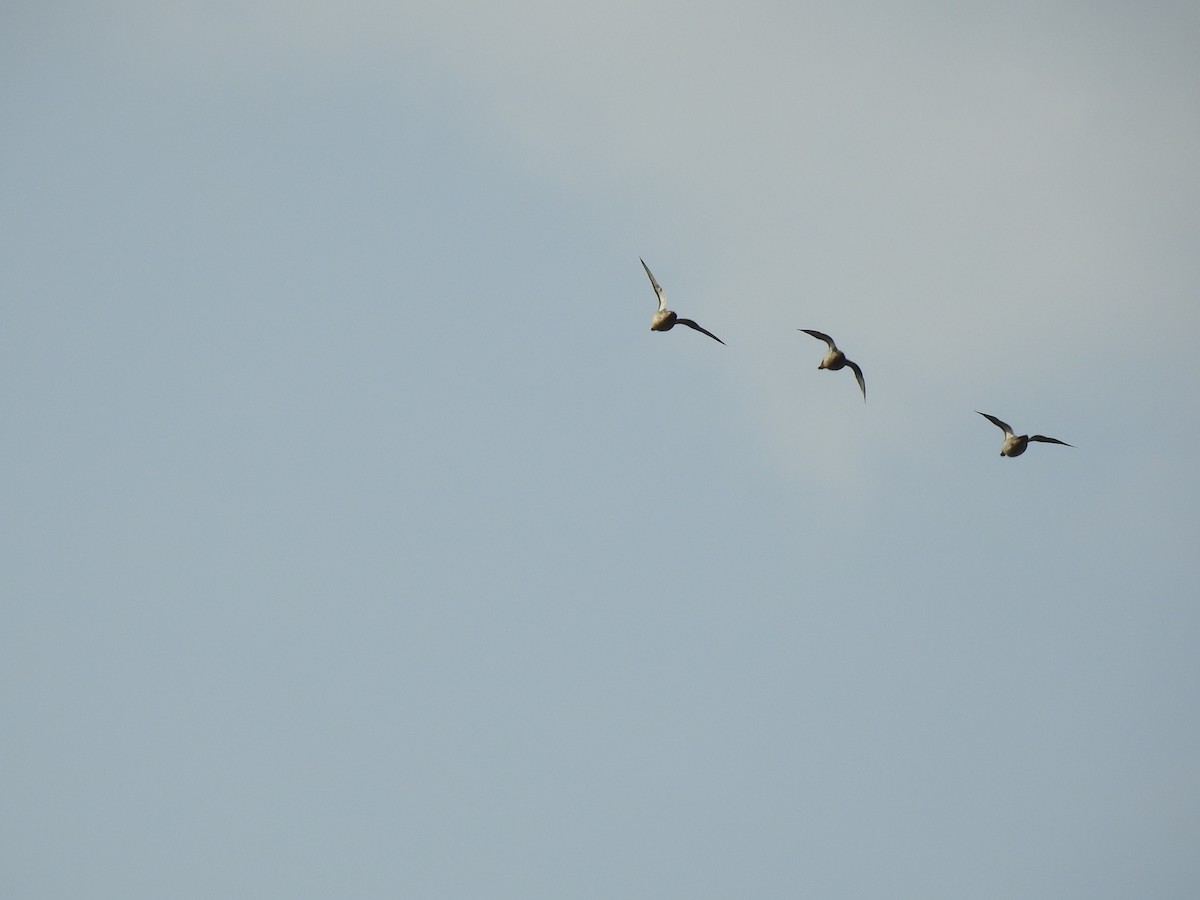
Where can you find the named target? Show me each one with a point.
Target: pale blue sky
(360, 539)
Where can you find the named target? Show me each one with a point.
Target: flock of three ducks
(834, 359)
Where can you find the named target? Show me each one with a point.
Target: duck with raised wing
(1015, 444)
(665, 319)
(835, 359)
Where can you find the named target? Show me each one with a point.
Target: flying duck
(1015, 444)
(835, 359)
(665, 319)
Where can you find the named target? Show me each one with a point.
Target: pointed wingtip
(691, 323)
(820, 336)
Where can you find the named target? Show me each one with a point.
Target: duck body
(663, 320)
(833, 360)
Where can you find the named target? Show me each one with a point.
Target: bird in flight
(665, 319)
(1015, 444)
(835, 359)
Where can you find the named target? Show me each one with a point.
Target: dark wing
(690, 324)
(819, 336)
(997, 422)
(862, 385)
(1046, 440)
(658, 291)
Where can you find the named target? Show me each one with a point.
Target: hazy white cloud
(995, 193)
(991, 176)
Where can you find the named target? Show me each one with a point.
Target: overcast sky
(359, 539)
